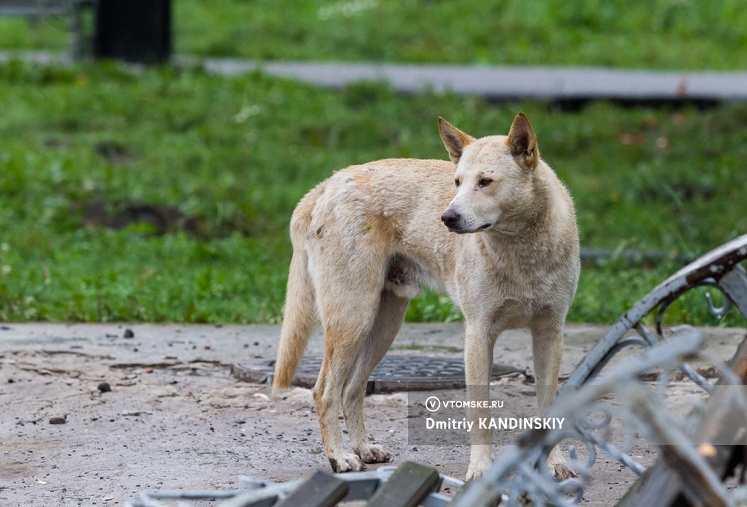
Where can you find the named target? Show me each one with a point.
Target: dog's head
(493, 174)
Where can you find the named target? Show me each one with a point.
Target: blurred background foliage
(163, 194)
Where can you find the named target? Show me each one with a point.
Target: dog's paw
(558, 466)
(370, 453)
(561, 471)
(479, 461)
(474, 473)
(347, 463)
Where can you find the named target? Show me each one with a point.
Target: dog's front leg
(478, 358)
(547, 353)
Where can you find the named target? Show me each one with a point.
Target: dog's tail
(300, 304)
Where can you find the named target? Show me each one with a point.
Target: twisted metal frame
(521, 474)
(719, 269)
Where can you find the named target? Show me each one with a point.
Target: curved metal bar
(696, 377)
(719, 268)
(586, 424)
(647, 335)
(706, 282)
(663, 307)
(627, 342)
(614, 452)
(718, 312)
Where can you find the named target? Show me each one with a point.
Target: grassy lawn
(659, 34)
(88, 154)
(235, 155)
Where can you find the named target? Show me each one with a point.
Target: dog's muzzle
(451, 219)
(454, 221)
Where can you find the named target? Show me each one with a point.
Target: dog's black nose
(451, 218)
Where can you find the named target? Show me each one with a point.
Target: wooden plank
(407, 487)
(319, 490)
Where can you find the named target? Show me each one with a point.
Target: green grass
(238, 153)
(659, 34)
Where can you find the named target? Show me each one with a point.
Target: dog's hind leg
(348, 314)
(387, 323)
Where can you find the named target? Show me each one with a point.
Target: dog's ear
(454, 139)
(523, 143)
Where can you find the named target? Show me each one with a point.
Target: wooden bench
(409, 485)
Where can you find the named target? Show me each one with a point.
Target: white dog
(494, 227)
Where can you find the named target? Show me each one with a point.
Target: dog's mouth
(462, 231)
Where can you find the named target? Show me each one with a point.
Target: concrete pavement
(154, 345)
(93, 414)
(507, 82)
(494, 82)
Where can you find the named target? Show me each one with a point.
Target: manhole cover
(396, 372)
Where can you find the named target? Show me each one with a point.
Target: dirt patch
(175, 419)
(183, 426)
(156, 219)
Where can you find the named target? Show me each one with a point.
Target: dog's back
(389, 205)
(392, 207)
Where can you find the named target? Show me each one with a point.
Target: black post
(133, 30)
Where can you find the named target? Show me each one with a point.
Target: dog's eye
(484, 182)
(456, 182)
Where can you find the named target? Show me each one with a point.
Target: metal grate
(396, 372)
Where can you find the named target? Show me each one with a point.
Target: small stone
(58, 420)
(128, 333)
(104, 387)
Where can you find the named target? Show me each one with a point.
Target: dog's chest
(517, 281)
